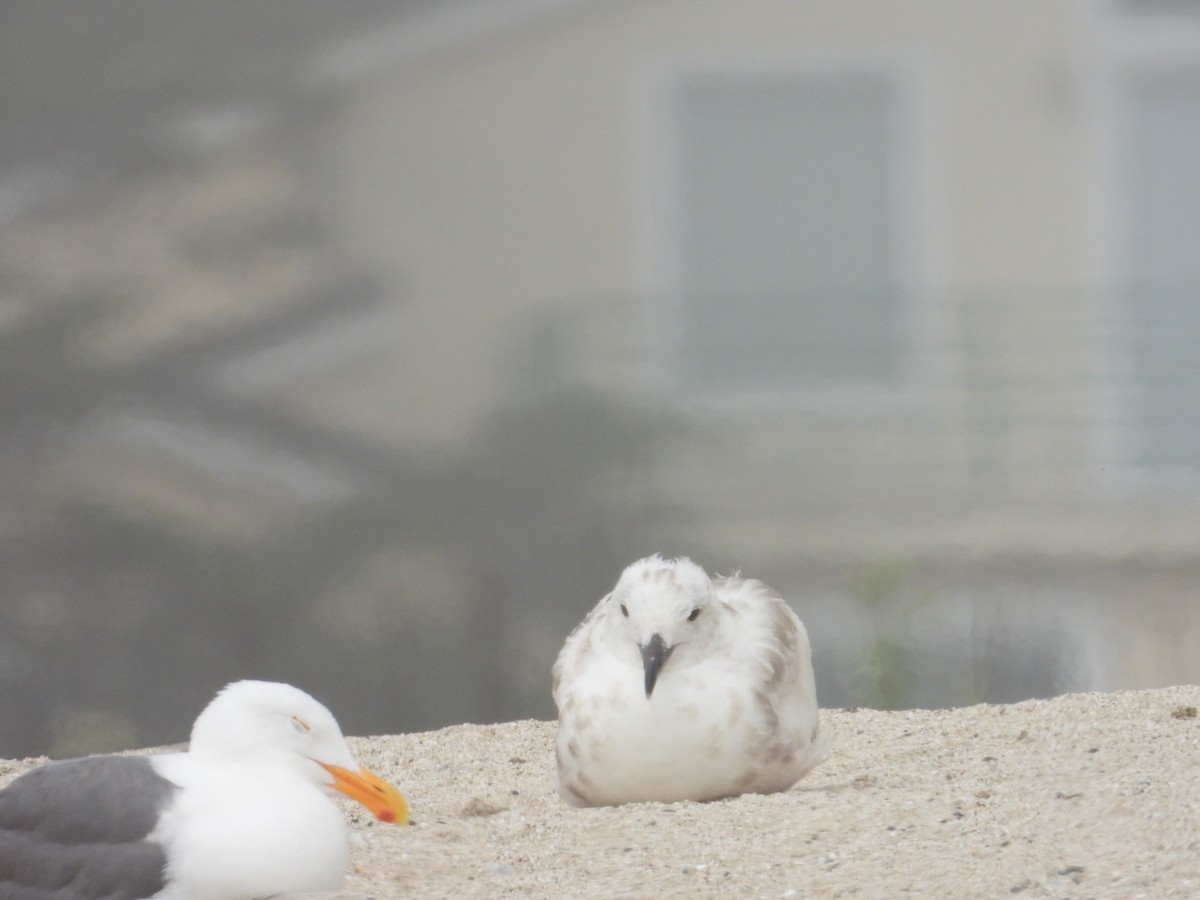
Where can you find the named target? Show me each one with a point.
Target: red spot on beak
(381, 798)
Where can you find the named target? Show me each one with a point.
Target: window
(1156, 7)
(790, 233)
(1158, 295)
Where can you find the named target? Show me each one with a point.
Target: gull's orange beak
(367, 788)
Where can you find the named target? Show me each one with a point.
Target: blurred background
(362, 344)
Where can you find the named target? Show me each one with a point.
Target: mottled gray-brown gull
(681, 687)
(245, 812)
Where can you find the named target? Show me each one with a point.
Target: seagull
(677, 686)
(246, 812)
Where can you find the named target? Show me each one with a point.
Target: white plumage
(246, 812)
(681, 687)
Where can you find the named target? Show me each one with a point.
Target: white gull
(681, 687)
(246, 812)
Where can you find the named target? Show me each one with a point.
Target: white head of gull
(246, 812)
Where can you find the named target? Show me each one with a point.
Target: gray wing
(787, 695)
(76, 830)
(574, 644)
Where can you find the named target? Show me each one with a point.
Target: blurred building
(921, 273)
(373, 374)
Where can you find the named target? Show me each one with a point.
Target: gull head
(265, 723)
(663, 609)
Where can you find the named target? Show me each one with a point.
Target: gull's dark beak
(654, 657)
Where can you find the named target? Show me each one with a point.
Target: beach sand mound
(1083, 795)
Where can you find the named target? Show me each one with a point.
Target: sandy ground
(1084, 795)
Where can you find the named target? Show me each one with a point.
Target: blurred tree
(129, 612)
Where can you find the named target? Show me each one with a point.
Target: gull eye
(300, 725)
(624, 611)
(695, 614)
